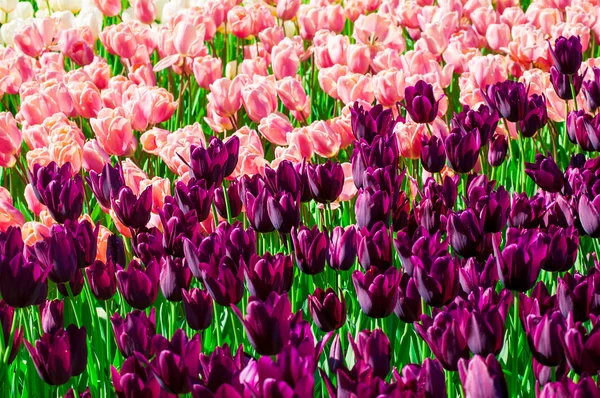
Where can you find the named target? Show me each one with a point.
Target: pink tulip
(353, 87)
(287, 9)
(154, 140)
(239, 22)
(35, 108)
(94, 156)
(77, 44)
(161, 188)
(270, 37)
(148, 106)
(86, 98)
(498, 36)
(262, 17)
(67, 151)
(39, 156)
(113, 131)
(328, 79)
(33, 232)
(133, 175)
(349, 190)
(359, 58)
(300, 139)
(326, 142)
(10, 139)
(254, 67)
(260, 100)
(110, 8)
(342, 127)
(379, 31)
(207, 69)
(9, 215)
(216, 122)
(275, 128)
(29, 41)
(35, 136)
(184, 43)
(142, 74)
(144, 11)
(99, 71)
(389, 87)
(226, 95)
(409, 136)
(294, 98)
(284, 60)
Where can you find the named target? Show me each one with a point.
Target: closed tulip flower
(174, 276)
(59, 356)
(420, 102)
(437, 280)
(284, 211)
(224, 281)
(424, 380)
(526, 212)
(567, 54)
(545, 335)
(52, 314)
(342, 248)
(23, 281)
(267, 323)
(368, 124)
(114, 132)
(465, 232)
(57, 253)
(562, 84)
(134, 333)
(138, 284)
(377, 291)
(482, 378)
(373, 348)
(198, 308)
(7, 317)
(375, 247)
(408, 306)
(591, 91)
(573, 296)
(132, 211)
(462, 149)
(562, 250)
(102, 279)
(443, 335)
(134, 380)
(509, 98)
(268, 273)
(326, 181)
(484, 119)
(586, 387)
(10, 139)
(545, 173)
(433, 154)
(536, 116)
(257, 211)
(371, 207)
(579, 126)
(581, 347)
(327, 309)
(106, 184)
(233, 200)
(311, 247)
(498, 149)
(195, 195)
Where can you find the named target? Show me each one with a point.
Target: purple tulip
(283, 179)
(444, 337)
(377, 291)
(75, 285)
(484, 119)
(131, 211)
(326, 181)
(589, 215)
(545, 173)
(582, 348)
(573, 296)
(311, 247)
(369, 124)
(284, 212)
(375, 247)
(475, 274)
(371, 207)
(52, 313)
(233, 199)
(85, 240)
(509, 98)
(106, 184)
(420, 102)
(328, 311)
(115, 250)
(562, 250)
(421, 246)
(102, 279)
(562, 84)
(536, 116)
(591, 91)
(336, 355)
(215, 162)
(268, 273)
(545, 336)
(59, 356)
(7, 317)
(482, 378)
(257, 211)
(465, 232)
(433, 154)
(205, 254)
(492, 206)
(240, 243)
(23, 282)
(220, 368)
(304, 188)
(408, 306)
(373, 349)
(498, 149)
(561, 214)
(342, 248)
(581, 131)
(138, 284)
(195, 195)
(267, 323)
(437, 280)
(567, 388)
(521, 261)
(567, 54)
(174, 276)
(224, 281)
(526, 212)
(462, 149)
(56, 252)
(134, 333)
(382, 152)
(198, 308)
(538, 303)
(134, 380)
(426, 380)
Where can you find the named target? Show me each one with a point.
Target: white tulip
(92, 17)
(73, 6)
(8, 5)
(231, 69)
(24, 10)
(8, 30)
(66, 19)
(159, 5)
(128, 15)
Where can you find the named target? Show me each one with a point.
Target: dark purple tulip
(420, 102)
(580, 130)
(545, 335)
(382, 152)
(52, 314)
(383, 179)
(509, 98)
(562, 250)
(371, 207)
(221, 368)
(536, 116)
(482, 378)
(591, 91)
(224, 281)
(102, 279)
(433, 154)
(475, 274)
(377, 291)
(589, 215)
(545, 173)
(11, 243)
(444, 337)
(311, 248)
(75, 284)
(526, 212)
(174, 276)
(267, 323)
(198, 308)
(492, 206)
(284, 179)
(257, 211)
(57, 253)
(106, 184)
(426, 380)
(462, 149)
(7, 317)
(195, 195)
(567, 54)
(375, 247)
(521, 261)
(369, 124)
(134, 380)
(209, 164)
(421, 246)
(545, 374)
(305, 194)
(402, 214)
(562, 84)
(268, 274)
(133, 212)
(342, 248)
(484, 119)
(232, 146)
(138, 284)
(373, 349)
(465, 232)
(328, 311)
(115, 250)
(498, 149)
(43, 175)
(176, 226)
(207, 253)
(567, 388)
(176, 362)
(233, 197)
(85, 240)
(561, 213)
(408, 305)
(284, 212)
(241, 243)
(325, 181)
(437, 281)
(335, 359)
(582, 349)
(573, 296)
(539, 302)
(23, 282)
(59, 356)
(134, 333)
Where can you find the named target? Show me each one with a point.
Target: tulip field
(299, 198)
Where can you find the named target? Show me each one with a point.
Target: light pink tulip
(389, 87)
(39, 156)
(99, 71)
(110, 8)
(254, 67)
(300, 139)
(284, 60)
(113, 131)
(260, 100)
(66, 151)
(270, 37)
(353, 87)
(142, 74)
(328, 79)
(133, 175)
(9, 215)
(144, 11)
(216, 122)
(239, 22)
(10, 139)
(326, 142)
(409, 136)
(349, 190)
(207, 69)
(498, 36)
(29, 41)
(94, 156)
(287, 9)
(359, 58)
(86, 98)
(33, 232)
(154, 140)
(275, 128)
(294, 98)
(226, 95)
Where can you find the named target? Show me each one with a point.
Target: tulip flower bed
(277, 198)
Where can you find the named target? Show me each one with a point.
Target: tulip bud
(327, 310)
(198, 308)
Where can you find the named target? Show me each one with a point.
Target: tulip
(85, 240)
(433, 154)
(132, 211)
(7, 317)
(174, 276)
(443, 335)
(311, 247)
(545, 173)
(115, 250)
(342, 248)
(377, 291)
(267, 323)
(424, 380)
(482, 378)
(536, 116)
(134, 380)
(589, 215)
(465, 232)
(462, 149)
(509, 98)
(102, 279)
(240, 243)
(526, 212)
(52, 313)
(375, 247)
(275, 128)
(420, 102)
(373, 349)
(284, 211)
(134, 333)
(437, 280)
(408, 306)
(369, 124)
(215, 162)
(268, 274)
(586, 387)
(327, 310)
(257, 211)
(326, 181)
(233, 201)
(221, 368)
(198, 308)
(23, 282)
(73, 287)
(591, 91)
(10, 137)
(114, 131)
(224, 281)
(484, 119)
(106, 184)
(580, 130)
(59, 356)
(567, 54)
(381, 153)
(139, 285)
(573, 296)
(57, 253)
(581, 348)
(562, 250)
(545, 336)
(474, 274)
(497, 150)
(195, 195)
(562, 84)
(540, 302)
